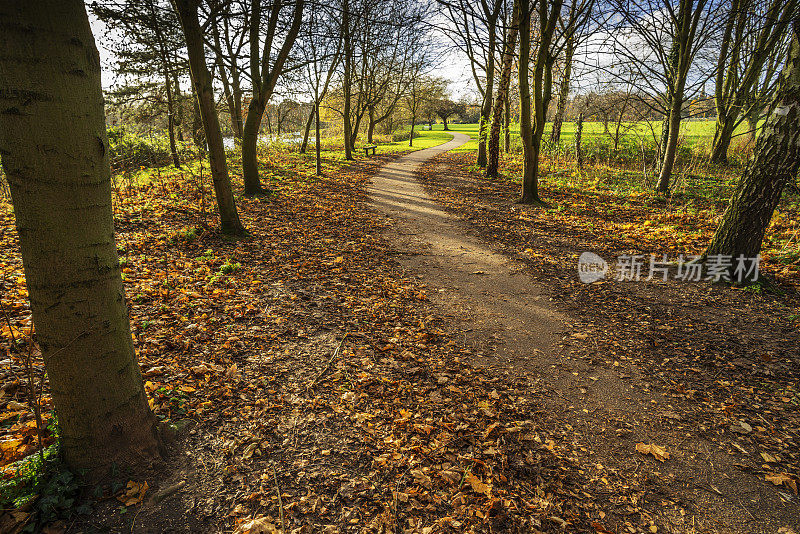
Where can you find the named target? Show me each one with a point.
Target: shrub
(129, 151)
(404, 135)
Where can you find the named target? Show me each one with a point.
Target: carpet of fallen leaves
(724, 361)
(324, 392)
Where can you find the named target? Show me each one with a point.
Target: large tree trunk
(776, 160)
(201, 81)
(55, 156)
(252, 125)
(530, 161)
(502, 95)
(563, 92)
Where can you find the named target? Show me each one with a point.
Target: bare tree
(753, 32)
(552, 34)
(267, 58)
(203, 87)
(775, 161)
(321, 44)
(657, 43)
(509, 46)
(472, 28)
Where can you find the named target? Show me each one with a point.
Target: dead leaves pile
(395, 432)
(724, 359)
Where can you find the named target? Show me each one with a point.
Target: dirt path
(606, 409)
(469, 280)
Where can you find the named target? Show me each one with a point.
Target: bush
(404, 135)
(130, 151)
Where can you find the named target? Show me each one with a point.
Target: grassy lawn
(694, 131)
(426, 139)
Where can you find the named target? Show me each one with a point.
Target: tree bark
(318, 148)
(307, 131)
(735, 84)
(578, 136)
(530, 165)
(371, 127)
(542, 92)
(687, 20)
(775, 161)
(55, 156)
(671, 150)
(347, 79)
(486, 109)
(507, 124)
(252, 125)
(722, 138)
(264, 78)
(502, 95)
(202, 83)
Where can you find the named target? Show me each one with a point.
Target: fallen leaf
(259, 525)
(782, 479)
(659, 453)
(478, 486)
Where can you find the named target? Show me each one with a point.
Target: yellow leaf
(659, 453)
(478, 486)
(782, 479)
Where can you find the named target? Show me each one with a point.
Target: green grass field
(694, 132)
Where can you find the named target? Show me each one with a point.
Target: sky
(453, 66)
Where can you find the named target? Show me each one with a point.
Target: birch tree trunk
(775, 161)
(55, 155)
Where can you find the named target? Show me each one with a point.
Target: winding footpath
(465, 277)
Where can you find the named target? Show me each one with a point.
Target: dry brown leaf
(659, 453)
(259, 525)
(133, 494)
(782, 479)
(478, 486)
